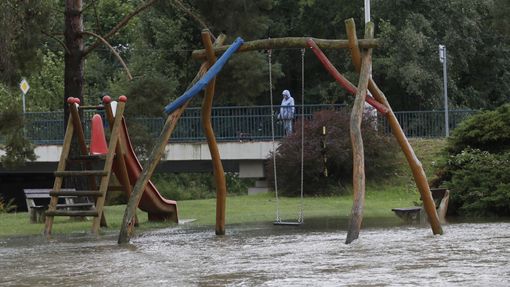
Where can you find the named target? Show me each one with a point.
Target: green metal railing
(237, 123)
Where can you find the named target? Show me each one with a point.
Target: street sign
(24, 86)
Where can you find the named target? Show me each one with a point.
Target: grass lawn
(380, 198)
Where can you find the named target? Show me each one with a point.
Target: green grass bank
(398, 191)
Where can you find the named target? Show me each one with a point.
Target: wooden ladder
(75, 129)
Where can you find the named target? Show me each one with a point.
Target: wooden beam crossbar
(286, 43)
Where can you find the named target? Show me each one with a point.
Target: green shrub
(380, 160)
(186, 186)
(7, 206)
(488, 130)
(480, 183)
(476, 168)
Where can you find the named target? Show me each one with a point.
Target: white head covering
(286, 93)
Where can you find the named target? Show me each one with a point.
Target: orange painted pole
(416, 167)
(339, 78)
(219, 174)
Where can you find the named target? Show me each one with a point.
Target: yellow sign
(24, 86)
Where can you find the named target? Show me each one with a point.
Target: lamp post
(442, 59)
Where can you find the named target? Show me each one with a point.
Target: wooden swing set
(361, 54)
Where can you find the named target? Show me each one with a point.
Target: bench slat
(75, 193)
(72, 213)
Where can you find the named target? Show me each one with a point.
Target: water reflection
(314, 254)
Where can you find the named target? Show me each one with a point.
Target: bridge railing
(237, 123)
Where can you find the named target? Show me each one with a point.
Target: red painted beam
(340, 79)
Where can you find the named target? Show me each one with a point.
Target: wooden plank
(81, 204)
(96, 157)
(76, 193)
(72, 213)
(80, 173)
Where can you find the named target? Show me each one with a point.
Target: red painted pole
(340, 79)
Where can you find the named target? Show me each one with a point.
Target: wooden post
(358, 157)
(417, 169)
(103, 186)
(119, 163)
(126, 229)
(285, 43)
(66, 147)
(219, 174)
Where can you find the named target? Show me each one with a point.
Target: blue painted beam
(202, 83)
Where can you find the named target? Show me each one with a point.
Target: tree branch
(119, 25)
(58, 40)
(113, 51)
(181, 6)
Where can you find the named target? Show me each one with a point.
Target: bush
(476, 167)
(480, 183)
(489, 131)
(186, 186)
(379, 156)
(8, 206)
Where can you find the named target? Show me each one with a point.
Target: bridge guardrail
(237, 123)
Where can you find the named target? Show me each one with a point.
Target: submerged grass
(399, 191)
(240, 209)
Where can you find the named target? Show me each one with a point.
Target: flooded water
(468, 254)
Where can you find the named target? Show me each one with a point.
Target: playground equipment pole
(128, 222)
(219, 174)
(416, 167)
(358, 155)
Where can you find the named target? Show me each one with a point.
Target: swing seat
(291, 223)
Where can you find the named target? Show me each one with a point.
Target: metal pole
(367, 11)
(23, 99)
(442, 59)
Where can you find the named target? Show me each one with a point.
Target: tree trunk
(73, 60)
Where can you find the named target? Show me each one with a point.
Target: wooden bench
(416, 213)
(38, 200)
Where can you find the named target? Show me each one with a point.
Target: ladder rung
(115, 188)
(88, 157)
(80, 204)
(71, 213)
(76, 193)
(91, 107)
(81, 173)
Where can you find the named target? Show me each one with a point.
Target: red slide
(152, 202)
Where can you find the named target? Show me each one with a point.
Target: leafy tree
(408, 68)
(20, 37)
(47, 83)
(17, 148)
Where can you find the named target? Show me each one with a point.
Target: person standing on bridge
(287, 111)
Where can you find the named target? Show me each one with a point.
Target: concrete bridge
(247, 158)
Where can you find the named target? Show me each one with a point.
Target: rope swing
(300, 219)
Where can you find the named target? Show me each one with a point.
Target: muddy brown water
(387, 254)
